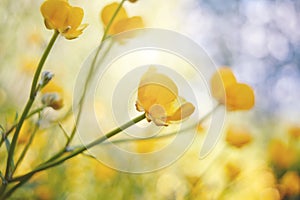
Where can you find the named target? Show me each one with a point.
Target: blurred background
(258, 154)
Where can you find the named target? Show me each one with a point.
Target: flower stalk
(33, 92)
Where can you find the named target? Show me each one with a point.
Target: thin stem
(13, 189)
(6, 134)
(81, 149)
(168, 134)
(89, 77)
(26, 148)
(9, 168)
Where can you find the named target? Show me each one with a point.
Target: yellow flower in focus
(281, 154)
(238, 136)
(294, 132)
(158, 98)
(290, 183)
(121, 22)
(61, 16)
(225, 89)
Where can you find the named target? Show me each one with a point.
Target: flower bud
(52, 100)
(46, 77)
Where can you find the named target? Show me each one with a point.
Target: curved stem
(9, 167)
(6, 134)
(171, 133)
(81, 149)
(87, 81)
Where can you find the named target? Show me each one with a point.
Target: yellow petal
(127, 24)
(55, 13)
(282, 155)
(108, 12)
(239, 97)
(238, 137)
(183, 112)
(290, 183)
(72, 34)
(156, 88)
(74, 18)
(223, 78)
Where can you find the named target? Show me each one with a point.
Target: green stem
(26, 148)
(9, 168)
(171, 133)
(6, 134)
(81, 149)
(87, 80)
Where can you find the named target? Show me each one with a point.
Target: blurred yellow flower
(35, 38)
(290, 183)
(28, 65)
(294, 132)
(43, 192)
(158, 98)
(52, 87)
(281, 154)
(103, 172)
(200, 128)
(61, 16)
(225, 89)
(145, 146)
(232, 171)
(121, 22)
(270, 193)
(238, 136)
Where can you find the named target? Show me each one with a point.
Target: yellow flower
(294, 132)
(281, 155)
(290, 183)
(232, 171)
(121, 22)
(61, 16)
(200, 128)
(225, 89)
(270, 193)
(158, 98)
(145, 146)
(238, 136)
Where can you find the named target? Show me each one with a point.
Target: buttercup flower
(232, 171)
(294, 131)
(226, 89)
(158, 98)
(121, 22)
(281, 154)
(238, 137)
(290, 183)
(61, 16)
